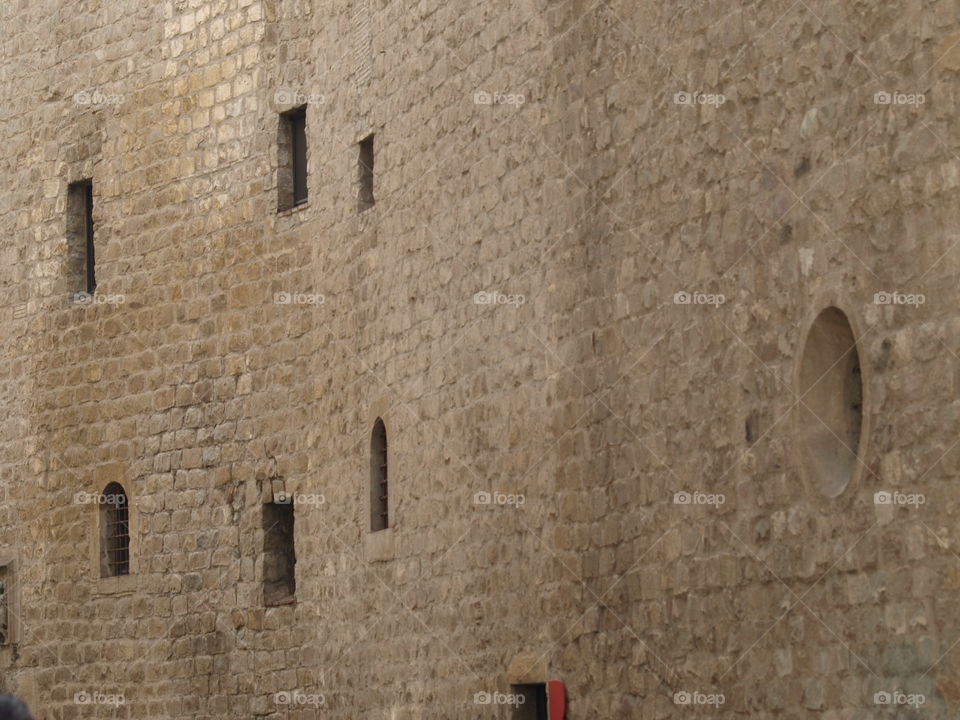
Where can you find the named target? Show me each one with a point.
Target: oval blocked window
(831, 411)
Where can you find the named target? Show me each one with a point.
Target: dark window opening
(751, 426)
(114, 532)
(365, 167)
(292, 155)
(379, 496)
(81, 258)
(531, 702)
(279, 557)
(5, 590)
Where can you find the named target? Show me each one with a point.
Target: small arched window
(379, 496)
(114, 531)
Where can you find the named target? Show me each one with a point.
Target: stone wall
(601, 234)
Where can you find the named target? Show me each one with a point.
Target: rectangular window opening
(365, 167)
(117, 530)
(114, 512)
(292, 156)
(81, 260)
(6, 581)
(379, 488)
(531, 702)
(279, 558)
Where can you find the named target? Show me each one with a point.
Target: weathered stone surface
(655, 201)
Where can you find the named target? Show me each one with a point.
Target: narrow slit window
(379, 490)
(279, 555)
(292, 152)
(115, 532)
(82, 258)
(5, 634)
(365, 167)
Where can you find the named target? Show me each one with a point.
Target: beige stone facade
(580, 303)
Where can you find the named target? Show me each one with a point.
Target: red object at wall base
(557, 700)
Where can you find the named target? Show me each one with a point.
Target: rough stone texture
(598, 398)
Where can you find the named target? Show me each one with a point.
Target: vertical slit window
(365, 168)
(4, 606)
(82, 258)
(115, 532)
(292, 155)
(298, 128)
(279, 554)
(379, 489)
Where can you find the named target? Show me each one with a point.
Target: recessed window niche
(830, 411)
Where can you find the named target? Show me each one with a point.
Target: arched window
(379, 496)
(114, 532)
